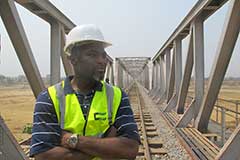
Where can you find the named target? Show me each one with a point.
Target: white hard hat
(84, 34)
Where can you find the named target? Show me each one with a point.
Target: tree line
(20, 79)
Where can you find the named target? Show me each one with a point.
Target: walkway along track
(151, 145)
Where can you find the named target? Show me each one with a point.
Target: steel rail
(147, 153)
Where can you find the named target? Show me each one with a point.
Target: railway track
(151, 145)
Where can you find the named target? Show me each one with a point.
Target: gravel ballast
(175, 151)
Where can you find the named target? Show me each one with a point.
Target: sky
(135, 28)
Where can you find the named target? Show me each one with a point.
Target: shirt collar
(69, 90)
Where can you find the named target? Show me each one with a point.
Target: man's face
(89, 61)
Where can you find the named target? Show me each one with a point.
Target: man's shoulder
(43, 95)
(43, 102)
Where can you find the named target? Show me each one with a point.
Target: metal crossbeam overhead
(134, 58)
(130, 68)
(208, 7)
(47, 11)
(134, 65)
(59, 22)
(20, 42)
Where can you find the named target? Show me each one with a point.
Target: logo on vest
(100, 116)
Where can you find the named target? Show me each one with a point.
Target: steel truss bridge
(161, 75)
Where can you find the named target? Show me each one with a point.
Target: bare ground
(16, 108)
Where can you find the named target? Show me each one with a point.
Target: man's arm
(61, 153)
(114, 147)
(109, 147)
(46, 133)
(122, 142)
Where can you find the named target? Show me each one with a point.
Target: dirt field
(230, 91)
(17, 104)
(16, 108)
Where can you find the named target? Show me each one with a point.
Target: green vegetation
(27, 128)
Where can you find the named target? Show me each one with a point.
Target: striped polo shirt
(46, 132)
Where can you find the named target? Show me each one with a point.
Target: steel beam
(66, 62)
(171, 104)
(168, 64)
(187, 117)
(230, 150)
(178, 63)
(127, 80)
(171, 79)
(48, 12)
(153, 79)
(198, 50)
(134, 65)
(134, 58)
(109, 59)
(224, 53)
(162, 76)
(157, 79)
(9, 147)
(161, 91)
(178, 73)
(121, 76)
(198, 8)
(112, 75)
(107, 72)
(146, 77)
(186, 77)
(116, 71)
(56, 49)
(51, 12)
(55, 13)
(165, 78)
(18, 37)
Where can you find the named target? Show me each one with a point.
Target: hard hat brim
(67, 49)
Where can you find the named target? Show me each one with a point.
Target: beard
(98, 76)
(90, 73)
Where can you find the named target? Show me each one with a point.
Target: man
(83, 117)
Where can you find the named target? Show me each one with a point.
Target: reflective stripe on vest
(110, 94)
(61, 100)
(70, 115)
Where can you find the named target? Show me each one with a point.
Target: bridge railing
(171, 86)
(226, 115)
(232, 110)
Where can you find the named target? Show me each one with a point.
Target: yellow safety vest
(102, 112)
